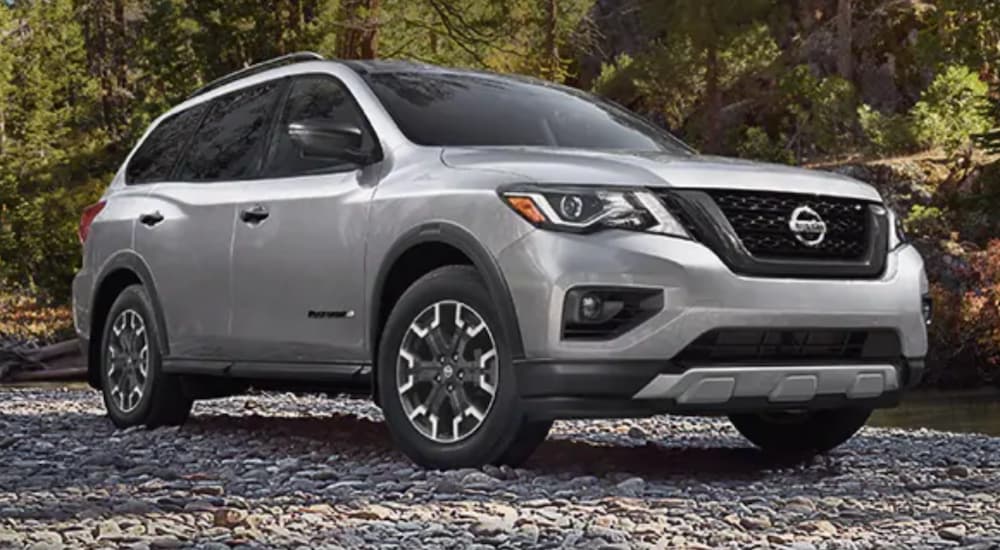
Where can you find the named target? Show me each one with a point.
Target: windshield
(471, 109)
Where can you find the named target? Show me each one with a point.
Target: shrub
(926, 222)
(38, 242)
(982, 306)
(822, 114)
(965, 333)
(24, 318)
(756, 144)
(886, 133)
(951, 109)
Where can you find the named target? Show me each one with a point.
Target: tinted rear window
(229, 144)
(469, 109)
(155, 159)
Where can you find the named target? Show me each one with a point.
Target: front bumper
(552, 390)
(701, 294)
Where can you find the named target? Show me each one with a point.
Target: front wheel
(804, 432)
(446, 380)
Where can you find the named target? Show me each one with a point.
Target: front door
(298, 254)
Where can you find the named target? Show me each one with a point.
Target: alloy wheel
(127, 360)
(447, 371)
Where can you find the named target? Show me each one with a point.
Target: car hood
(589, 167)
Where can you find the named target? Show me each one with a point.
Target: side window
(230, 142)
(316, 99)
(156, 157)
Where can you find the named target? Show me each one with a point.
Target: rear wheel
(446, 379)
(136, 391)
(804, 432)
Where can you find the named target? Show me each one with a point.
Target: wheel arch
(440, 234)
(124, 269)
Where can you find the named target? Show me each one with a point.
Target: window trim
(378, 152)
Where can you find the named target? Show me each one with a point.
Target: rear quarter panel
(111, 232)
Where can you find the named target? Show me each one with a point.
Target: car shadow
(557, 455)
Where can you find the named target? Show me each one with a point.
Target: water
(975, 412)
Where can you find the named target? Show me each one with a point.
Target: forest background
(900, 93)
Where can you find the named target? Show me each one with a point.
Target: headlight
(586, 209)
(897, 237)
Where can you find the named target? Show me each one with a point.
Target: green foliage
(81, 79)
(886, 133)
(757, 145)
(748, 52)
(821, 112)
(963, 32)
(613, 76)
(951, 109)
(926, 222)
(50, 137)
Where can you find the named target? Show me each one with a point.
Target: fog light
(602, 313)
(591, 306)
(927, 309)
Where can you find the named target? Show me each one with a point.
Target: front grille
(761, 221)
(791, 345)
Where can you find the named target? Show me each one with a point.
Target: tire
(418, 358)
(801, 433)
(132, 328)
(530, 435)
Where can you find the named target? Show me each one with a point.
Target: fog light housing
(603, 313)
(927, 309)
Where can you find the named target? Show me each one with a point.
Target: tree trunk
(359, 38)
(119, 100)
(713, 98)
(844, 47)
(552, 64)
(805, 15)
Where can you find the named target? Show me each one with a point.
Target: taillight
(87, 218)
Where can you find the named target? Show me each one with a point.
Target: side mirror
(322, 139)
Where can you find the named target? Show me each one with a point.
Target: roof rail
(292, 58)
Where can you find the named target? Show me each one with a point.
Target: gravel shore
(289, 471)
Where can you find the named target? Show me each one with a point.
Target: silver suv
(483, 254)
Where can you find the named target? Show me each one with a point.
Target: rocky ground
(288, 471)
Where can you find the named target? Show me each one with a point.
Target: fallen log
(69, 374)
(61, 361)
(54, 351)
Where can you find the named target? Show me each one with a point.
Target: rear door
(298, 260)
(186, 233)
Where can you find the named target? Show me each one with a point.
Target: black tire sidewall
(497, 432)
(136, 299)
(818, 432)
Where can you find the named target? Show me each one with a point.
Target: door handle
(254, 214)
(151, 218)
